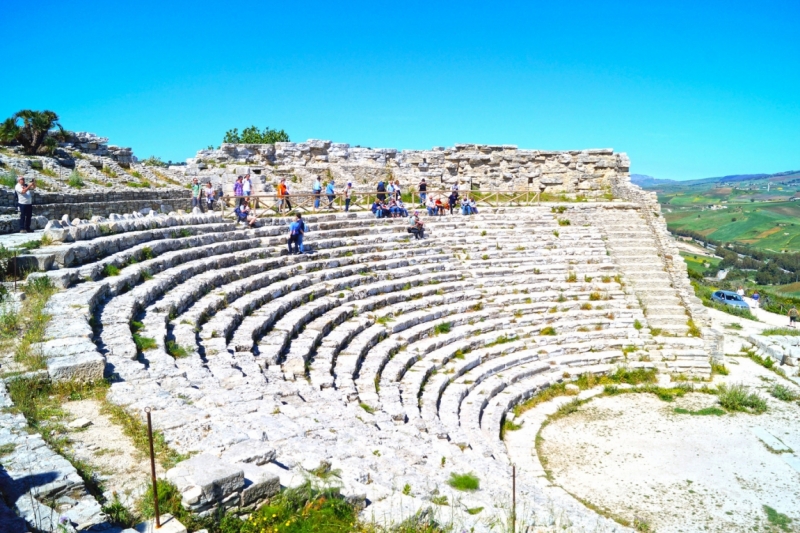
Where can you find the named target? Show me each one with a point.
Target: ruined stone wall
(91, 144)
(85, 205)
(476, 166)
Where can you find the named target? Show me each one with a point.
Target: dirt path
(125, 471)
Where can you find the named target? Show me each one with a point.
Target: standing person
(196, 193)
(303, 231)
(25, 203)
(792, 316)
(381, 191)
(247, 188)
(330, 192)
(398, 195)
(317, 190)
(210, 195)
(348, 191)
(295, 234)
(238, 190)
(755, 297)
(454, 189)
(283, 196)
(423, 191)
(740, 292)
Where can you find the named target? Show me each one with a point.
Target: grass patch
(777, 519)
(719, 368)
(464, 482)
(444, 327)
(783, 393)
(788, 332)
(110, 270)
(31, 322)
(176, 350)
(367, 408)
(144, 343)
(738, 397)
(75, 180)
(708, 411)
(548, 330)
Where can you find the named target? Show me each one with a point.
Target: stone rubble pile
(94, 145)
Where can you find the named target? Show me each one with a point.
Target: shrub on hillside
(251, 135)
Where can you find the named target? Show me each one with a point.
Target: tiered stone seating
(384, 356)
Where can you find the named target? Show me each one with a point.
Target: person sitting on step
(416, 226)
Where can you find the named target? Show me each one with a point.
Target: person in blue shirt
(331, 193)
(317, 190)
(295, 234)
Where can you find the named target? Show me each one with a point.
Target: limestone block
(259, 484)
(169, 524)
(205, 479)
(249, 451)
(86, 366)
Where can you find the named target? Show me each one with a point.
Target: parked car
(729, 298)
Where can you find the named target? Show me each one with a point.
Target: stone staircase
(630, 242)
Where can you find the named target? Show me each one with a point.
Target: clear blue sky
(687, 89)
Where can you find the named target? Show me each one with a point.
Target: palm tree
(33, 133)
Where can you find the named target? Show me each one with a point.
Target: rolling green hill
(751, 209)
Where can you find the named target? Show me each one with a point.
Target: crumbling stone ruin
(109, 180)
(475, 166)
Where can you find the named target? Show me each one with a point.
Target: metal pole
(153, 467)
(15, 271)
(513, 498)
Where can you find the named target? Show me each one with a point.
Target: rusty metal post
(15, 269)
(513, 498)
(153, 467)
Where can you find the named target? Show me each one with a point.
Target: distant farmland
(766, 225)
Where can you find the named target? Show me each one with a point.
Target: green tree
(251, 135)
(35, 131)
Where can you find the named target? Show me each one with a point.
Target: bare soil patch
(635, 458)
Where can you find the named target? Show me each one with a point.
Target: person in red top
(283, 196)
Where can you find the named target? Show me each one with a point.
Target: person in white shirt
(247, 186)
(25, 203)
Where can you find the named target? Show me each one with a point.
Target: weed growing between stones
(719, 368)
(766, 362)
(32, 322)
(464, 482)
(176, 350)
(444, 327)
(75, 180)
(110, 270)
(142, 343)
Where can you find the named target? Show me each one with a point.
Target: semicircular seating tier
(390, 359)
